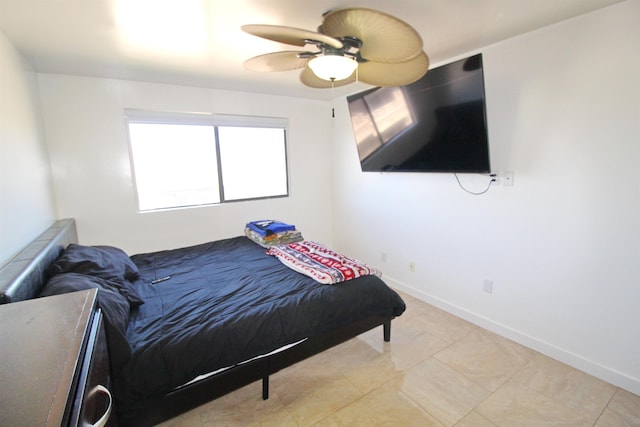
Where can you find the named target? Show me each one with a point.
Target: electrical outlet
(412, 266)
(506, 178)
(383, 257)
(488, 286)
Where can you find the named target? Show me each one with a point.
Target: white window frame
(215, 121)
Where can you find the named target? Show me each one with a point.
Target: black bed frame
(24, 276)
(161, 408)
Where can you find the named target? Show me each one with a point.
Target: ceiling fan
(353, 44)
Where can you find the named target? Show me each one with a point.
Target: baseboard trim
(576, 361)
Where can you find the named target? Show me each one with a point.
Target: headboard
(24, 276)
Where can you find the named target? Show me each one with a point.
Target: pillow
(115, 308)
(106, 262)
(134, 299)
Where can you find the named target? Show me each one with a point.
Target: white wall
(562, 245)
(86, 134)
(26, 196)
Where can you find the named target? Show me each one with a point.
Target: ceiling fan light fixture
(333, 67)
(351, 45)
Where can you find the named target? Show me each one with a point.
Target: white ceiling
(200, 43)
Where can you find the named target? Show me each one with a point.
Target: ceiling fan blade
(290, 35)
(308, 78)
(277, 61)
(398, 74)
(385, 38)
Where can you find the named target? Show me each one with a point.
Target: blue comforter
(225, 302)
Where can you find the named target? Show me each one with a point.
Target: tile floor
(438, 370)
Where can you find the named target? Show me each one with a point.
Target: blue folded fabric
(267, 227)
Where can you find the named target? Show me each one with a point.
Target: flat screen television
(436, 124)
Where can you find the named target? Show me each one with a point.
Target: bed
(204, 320)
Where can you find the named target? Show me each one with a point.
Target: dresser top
(41, 341)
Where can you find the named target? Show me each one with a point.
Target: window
(192, 160)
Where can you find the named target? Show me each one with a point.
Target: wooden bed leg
(386, 326)
(265, 387)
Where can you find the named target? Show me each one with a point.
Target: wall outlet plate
(506, 178)
(488, 286)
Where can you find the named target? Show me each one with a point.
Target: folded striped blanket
(275, 238)
(268, 227)
(320, 263)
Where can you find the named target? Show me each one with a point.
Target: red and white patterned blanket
(320, 263)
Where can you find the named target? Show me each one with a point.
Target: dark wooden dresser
(54, 365)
